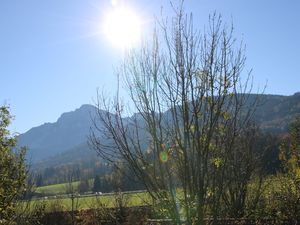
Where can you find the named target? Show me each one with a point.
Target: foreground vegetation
(110, 209)
(279, 202)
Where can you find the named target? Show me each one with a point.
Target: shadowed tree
(290, 150)
(285, 198)
(83, 186)
(97, 184)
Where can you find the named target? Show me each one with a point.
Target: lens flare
(163, 156)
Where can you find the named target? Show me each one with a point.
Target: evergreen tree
(39, 180)
(97, 184)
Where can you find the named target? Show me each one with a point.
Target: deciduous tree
(190, 130)
(12, 170)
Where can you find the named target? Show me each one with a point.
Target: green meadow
(58, 199)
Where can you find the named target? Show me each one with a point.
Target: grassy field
(55, 189)
(88, 202)
(60, 200)
(107, 200)
(58, 189)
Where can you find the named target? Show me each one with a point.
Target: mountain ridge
(54, 141)
(70, 129)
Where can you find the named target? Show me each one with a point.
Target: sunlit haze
(122, 27)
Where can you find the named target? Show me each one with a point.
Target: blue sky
(53, 56)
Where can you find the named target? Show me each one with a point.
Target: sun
(122, 27)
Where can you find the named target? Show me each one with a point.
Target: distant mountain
(65, 141)
(49, 139)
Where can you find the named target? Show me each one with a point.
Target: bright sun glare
(122, 27)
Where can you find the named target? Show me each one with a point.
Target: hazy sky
(53, 55)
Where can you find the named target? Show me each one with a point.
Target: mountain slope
(276, 111)
(70, 130)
